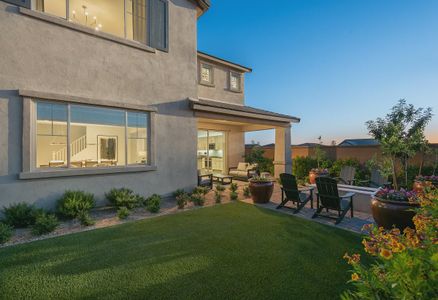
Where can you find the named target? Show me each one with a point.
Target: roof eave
(203, 6)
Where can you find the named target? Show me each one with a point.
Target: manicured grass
(230, 251)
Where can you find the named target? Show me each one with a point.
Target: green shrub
(85, 219)
(179, 192)
(302, 165)
(181, 200)
(217, 196)
(44, 223)
(123, 212)
(198, 199)
(75, 204)
(234, 196)
(220, 188)
(233, 187)
(201, 190)
(153, 203)
(123, 198)
(5, 233)
(246, 192)
(19, 215)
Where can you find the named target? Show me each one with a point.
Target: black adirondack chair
(347, 175)
(376, 180)
(291, 192)
(328, 198)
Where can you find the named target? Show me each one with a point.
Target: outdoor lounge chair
(347, 175)
(376, 180)
(291, 192)
(205, 180)
(328, 198)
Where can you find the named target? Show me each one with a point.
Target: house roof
(203, 6)
(222, 61)
(359, 142)
(195, 103)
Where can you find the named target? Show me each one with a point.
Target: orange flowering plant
(406, 263)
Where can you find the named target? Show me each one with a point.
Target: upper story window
(206, 74)
(144, 21)
(235, 82)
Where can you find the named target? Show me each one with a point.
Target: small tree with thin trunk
(401, 134)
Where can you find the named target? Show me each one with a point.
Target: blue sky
(333, 63)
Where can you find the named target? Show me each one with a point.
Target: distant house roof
(359, 142)
(308, 145)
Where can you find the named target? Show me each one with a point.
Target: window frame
(30, 10)
(211, 67)
(239, 77)
(29, 167)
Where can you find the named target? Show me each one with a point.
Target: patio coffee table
(223, 179)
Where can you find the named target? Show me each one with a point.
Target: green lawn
(230, 251)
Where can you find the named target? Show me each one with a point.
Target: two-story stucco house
(97, 94)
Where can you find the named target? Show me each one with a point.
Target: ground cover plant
(233, 251)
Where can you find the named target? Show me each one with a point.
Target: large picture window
(144, 21)
(83, 136)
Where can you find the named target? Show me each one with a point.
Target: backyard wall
(362, 153)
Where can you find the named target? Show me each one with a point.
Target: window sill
(84, 172)
(207, 84)
(235, 91)
(80, 28)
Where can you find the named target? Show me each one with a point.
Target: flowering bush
(394, 195)
(406, 264)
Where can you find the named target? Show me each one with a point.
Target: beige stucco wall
(36, 55)
(220, 90)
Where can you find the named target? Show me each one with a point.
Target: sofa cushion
(242, 166)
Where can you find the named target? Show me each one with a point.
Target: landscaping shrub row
(72, 205)
(302, 166)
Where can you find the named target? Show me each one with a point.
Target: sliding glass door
(211, 151)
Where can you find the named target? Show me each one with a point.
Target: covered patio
(221, 134)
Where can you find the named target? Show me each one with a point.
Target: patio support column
(282, 158)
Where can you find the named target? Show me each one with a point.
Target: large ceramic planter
(313, 175)
(261, 192)
(387, 213)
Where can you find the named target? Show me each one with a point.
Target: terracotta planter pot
(313, 175)
(261, 192)
(387, 213)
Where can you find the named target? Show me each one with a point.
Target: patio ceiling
(248, 118)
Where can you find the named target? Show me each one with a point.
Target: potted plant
(401, 136)
(261, 189)
(317, 172)
(394, 208)
(422, 181)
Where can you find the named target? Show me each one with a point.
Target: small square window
(235, 82)
(206, 76)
